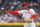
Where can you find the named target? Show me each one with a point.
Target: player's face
(25, 6)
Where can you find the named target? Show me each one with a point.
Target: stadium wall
(15, 24)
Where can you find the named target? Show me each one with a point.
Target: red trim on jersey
(33, 16)
(14, 12)
(28, 9)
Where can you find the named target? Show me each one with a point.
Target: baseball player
(28, 15)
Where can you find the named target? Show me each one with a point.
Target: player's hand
(27, 19)
(8, 11)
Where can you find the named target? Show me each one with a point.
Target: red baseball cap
(26, 4)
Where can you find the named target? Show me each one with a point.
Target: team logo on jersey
(27, 12)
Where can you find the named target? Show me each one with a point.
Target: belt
(30, 22)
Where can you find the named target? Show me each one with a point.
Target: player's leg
(32, 25)
(26, 25)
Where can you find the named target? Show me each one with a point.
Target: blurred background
(16, 5)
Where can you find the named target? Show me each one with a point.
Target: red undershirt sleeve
(14, 12)
(33, 16)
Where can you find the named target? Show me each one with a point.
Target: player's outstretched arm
(13, 12)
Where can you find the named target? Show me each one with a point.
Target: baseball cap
(25, 4)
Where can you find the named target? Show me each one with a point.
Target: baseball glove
(27, 19)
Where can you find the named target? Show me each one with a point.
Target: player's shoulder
(31, 9)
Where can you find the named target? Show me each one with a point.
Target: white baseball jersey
(27, 13)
